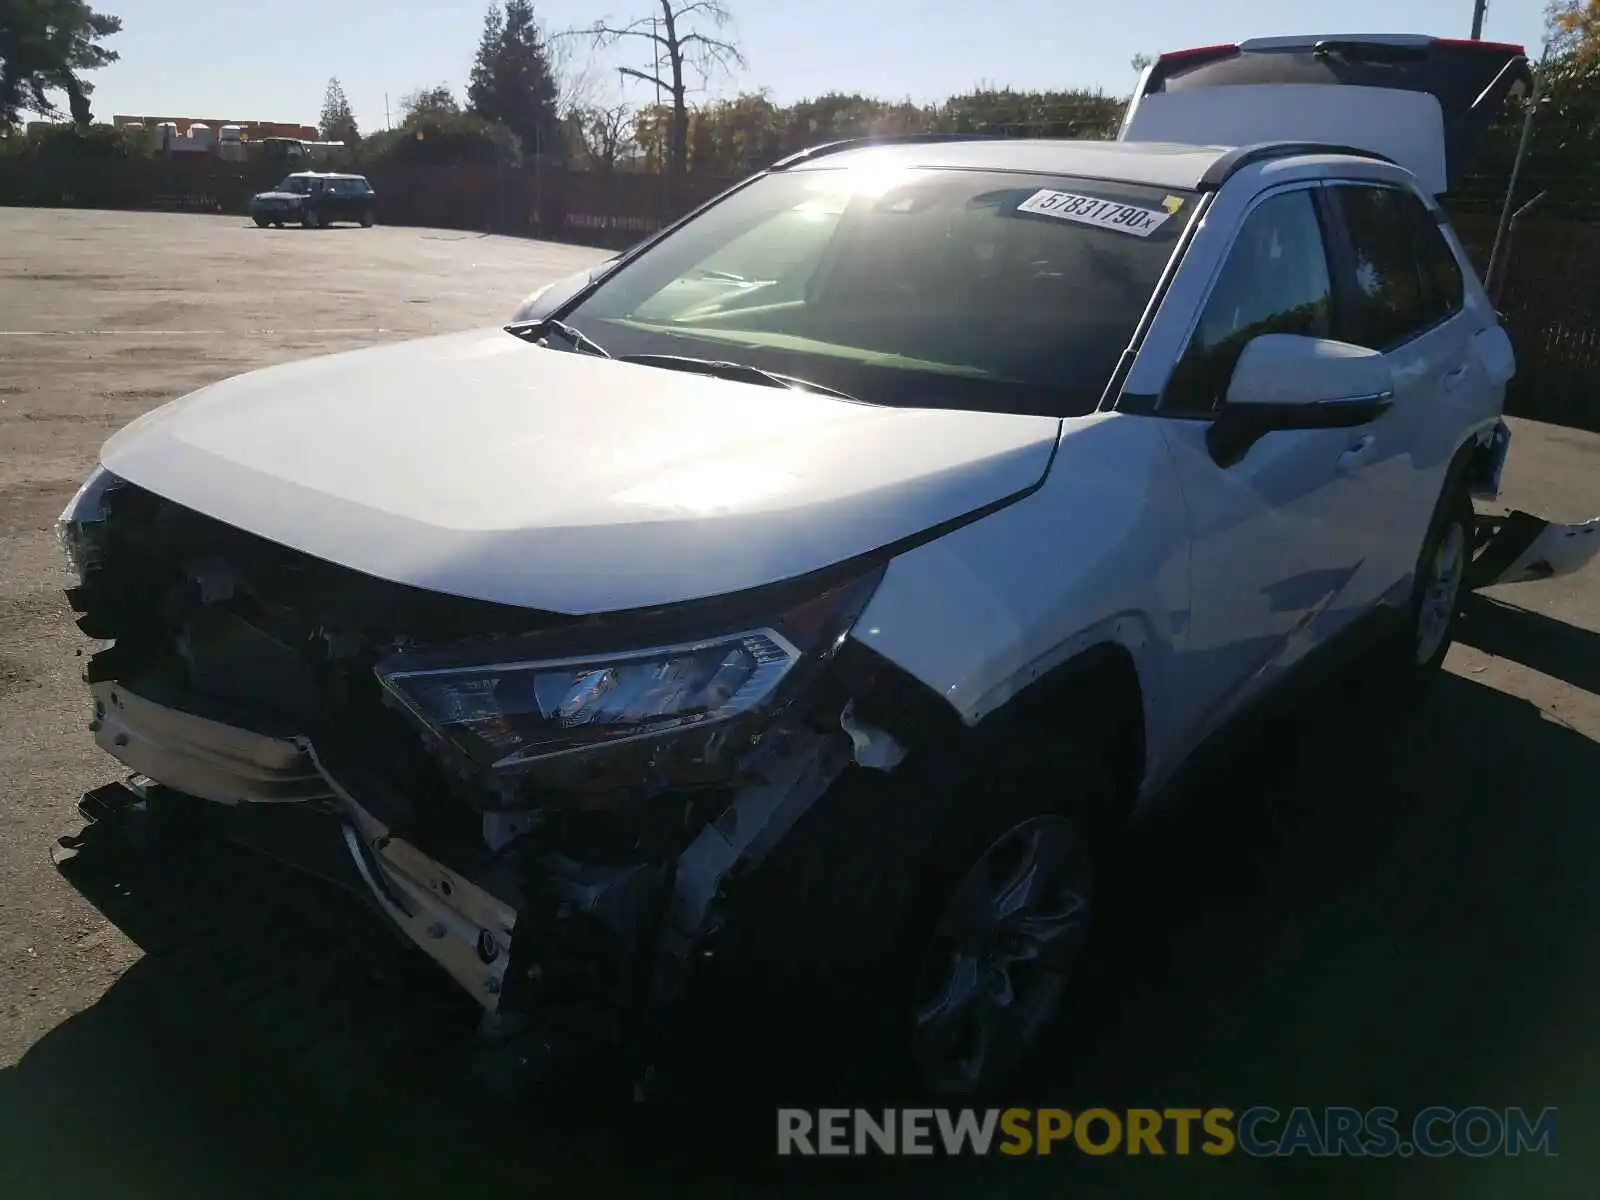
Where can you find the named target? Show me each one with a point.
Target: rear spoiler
(1424, 102)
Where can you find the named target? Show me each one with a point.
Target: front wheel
(262, 222)
(993, 946)
(1000, 956)
(368, 220)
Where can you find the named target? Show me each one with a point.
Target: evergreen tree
(338, 123)
(512, 80)
(46, 46)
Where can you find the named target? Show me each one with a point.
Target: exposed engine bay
(550, 806)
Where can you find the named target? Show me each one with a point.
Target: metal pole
(1489, 277)
(1511, 235)
(1479, 7)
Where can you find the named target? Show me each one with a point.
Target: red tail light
(1512, 47)
(1220, 50)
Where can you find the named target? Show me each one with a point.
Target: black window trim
(1163, 405)
(1340, 233)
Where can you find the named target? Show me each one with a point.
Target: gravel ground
(1349, 915)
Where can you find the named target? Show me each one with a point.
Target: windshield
(918, 287)
(292, 184)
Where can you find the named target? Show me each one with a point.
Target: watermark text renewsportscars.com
(1259, 1132)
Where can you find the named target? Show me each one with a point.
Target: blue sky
(246, 61)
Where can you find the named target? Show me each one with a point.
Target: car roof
(1157, 164)
(322, 175)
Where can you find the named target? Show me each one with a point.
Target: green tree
(512, 80)
(45, 46)
(1070, 114)
(338, 123)
(1572, 27)
(437, 139)
(436, 101)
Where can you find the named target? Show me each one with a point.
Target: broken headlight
(81, 526)
(513, 710)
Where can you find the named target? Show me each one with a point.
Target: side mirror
(1286, 381)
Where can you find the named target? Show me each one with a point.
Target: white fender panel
(1097, 554)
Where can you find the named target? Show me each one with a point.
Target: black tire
(262, 222)
(277, 224)
(368, 220)
(1415, 656)
(811, 988)
(1040, 785)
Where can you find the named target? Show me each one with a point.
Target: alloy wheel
(1442, 592)
(1003, 948)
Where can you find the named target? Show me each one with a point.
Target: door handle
(1357, 454)
(1452, 379)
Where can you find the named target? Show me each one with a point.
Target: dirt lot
(1348, 915)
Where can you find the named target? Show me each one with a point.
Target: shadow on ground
(1541, 643)
(1350, 911)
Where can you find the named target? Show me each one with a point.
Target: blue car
(316, 199)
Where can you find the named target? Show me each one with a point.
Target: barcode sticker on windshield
(1102, 214)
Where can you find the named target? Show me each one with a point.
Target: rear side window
(1391, 305)
(1275, 280)
(1441, 273)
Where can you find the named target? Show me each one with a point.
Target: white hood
(481, 466)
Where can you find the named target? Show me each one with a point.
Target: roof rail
(881, 139)
(1240, 157)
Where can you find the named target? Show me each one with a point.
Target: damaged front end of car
(551, 807)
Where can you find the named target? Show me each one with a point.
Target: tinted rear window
(1391, 303)
(918, 287)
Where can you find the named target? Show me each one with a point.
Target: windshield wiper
(533, 331)
(738, 372)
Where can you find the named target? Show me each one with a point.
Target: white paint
(1216, 581)
(1098, 554)
(479, 465)
(1407, 127)
(231, 333)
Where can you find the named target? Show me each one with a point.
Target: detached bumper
(455, 922)
(205, 758)
(1520, 548)
(459, 925)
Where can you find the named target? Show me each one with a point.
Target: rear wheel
(1416, 656)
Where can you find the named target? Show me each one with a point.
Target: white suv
(598, 656)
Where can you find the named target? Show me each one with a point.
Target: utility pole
(1479, 7)
(386, 122)
(666, 149)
